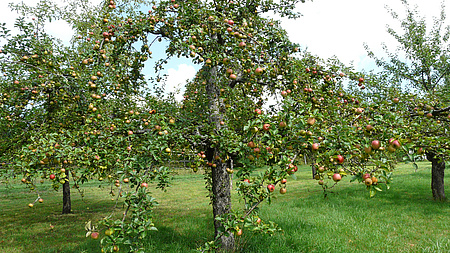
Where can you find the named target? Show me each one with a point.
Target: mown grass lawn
(403, 219)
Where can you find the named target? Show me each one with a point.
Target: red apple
(52, 176)
(337, 177)
(94, 235)
(283, 124)
(315, 146)
(271, 187)
(366, 175)
(251, 144)
(283, 181)
(340, 159)
(369, 127)
(266, 127)
(376, 144)
(144, 184)
(396, 100)
(361, 80)
(258, 71)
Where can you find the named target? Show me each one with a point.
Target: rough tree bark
(67, 204)
(437, 176)
(221, 199)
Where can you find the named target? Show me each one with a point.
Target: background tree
(419, 70)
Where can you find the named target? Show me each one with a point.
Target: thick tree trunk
(437, 176)
(221, 201)
(67, 205)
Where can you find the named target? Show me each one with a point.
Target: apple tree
(418, 77)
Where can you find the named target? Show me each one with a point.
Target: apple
(429, 115)
(251, 144)
(374, 180)
(321, 169)
(283, 124)
(391, 149)
(368, 150)
(41, 200)
(271, 187)
(144, 184)
(126, 180)
(130, 132)
(396, 100)
(368, 181)
(283, 181)
(283, 190)
(315, 146)
(361, 80)
(52, 176)
(233, 77)
(94, 235)
(337, 177)
(258, 111)
(366, 175)
(311, 121)
(259, 71)
(239, 232)
(258, 220)
(369, 128)
(376, 144)
(420, 151)
(266, 127)
(30, 205)
(246, 180)
(340, 159)
(396, 143)
(242, 44)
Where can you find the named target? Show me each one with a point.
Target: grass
(403, 219)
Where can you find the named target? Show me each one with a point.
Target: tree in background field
(419, 72)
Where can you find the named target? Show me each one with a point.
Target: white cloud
(176, 79)
(339, 28)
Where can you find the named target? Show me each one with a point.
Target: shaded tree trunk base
(437, 176)
(67, 204)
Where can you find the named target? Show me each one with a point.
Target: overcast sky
(327, 28)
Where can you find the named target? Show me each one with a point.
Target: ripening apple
(242, 44)
(251, 144)
(361, 80)
(337, 177)
(271, 187)
(396, 100)
(41, 200)
(258, 71)
(52, 176)
(376, 144)
(94, 235)
(315, 146)
(321, 169)
(311, 121)
(368, 181)
(283, 124)
(266, 127)
(366, 175)
(283, 190)
(283, 181)
(144, 184)
(233, 77)
(30, 205)
(340, 159)
(396, 143)
(368, 150)
(369, 128)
